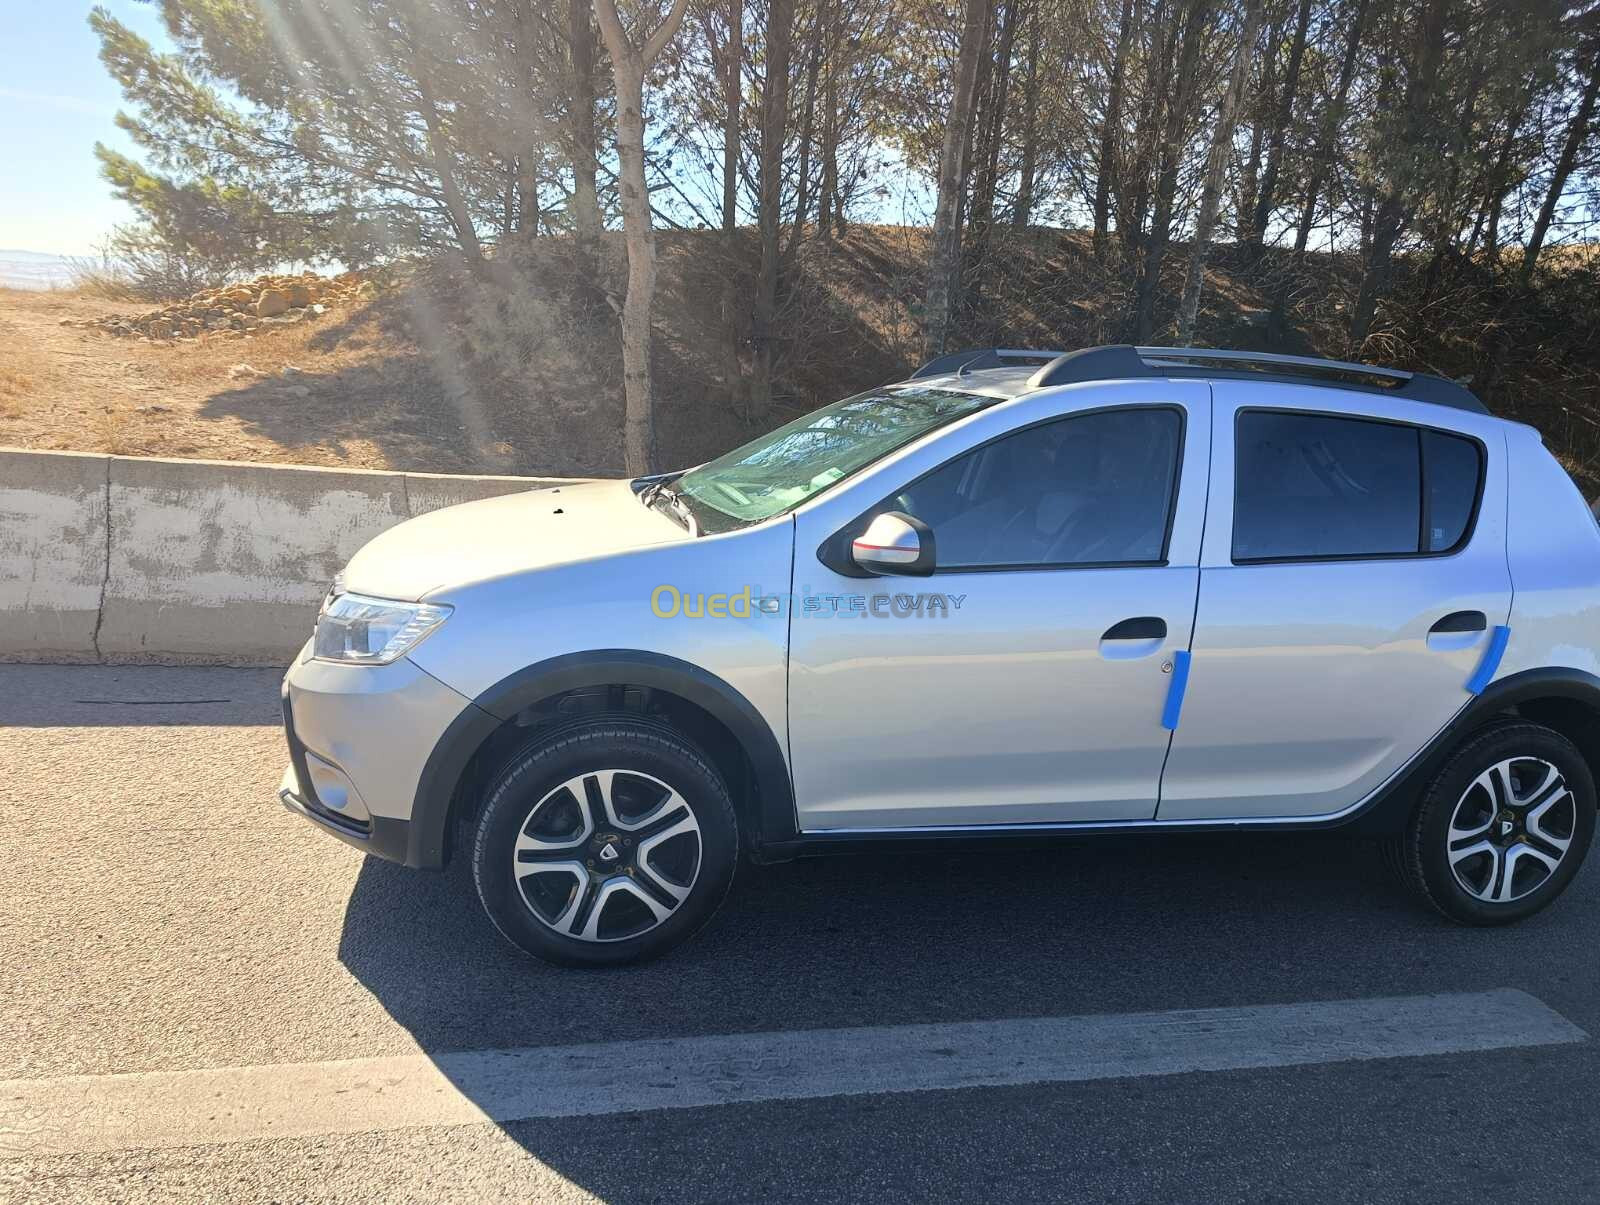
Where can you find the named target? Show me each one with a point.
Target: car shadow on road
(1113, 925)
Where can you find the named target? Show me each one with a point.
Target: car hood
(496, 537)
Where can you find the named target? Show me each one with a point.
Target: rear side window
(1319, 487)
(1453, 469)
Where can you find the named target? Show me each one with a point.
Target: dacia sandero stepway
(1020, 594)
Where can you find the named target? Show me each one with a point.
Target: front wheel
(608, 843)
(1503, 827)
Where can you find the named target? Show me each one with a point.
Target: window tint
(1311, 486)
(1452, 468)
(1092, 489)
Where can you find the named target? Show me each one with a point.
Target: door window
(1320, 487)
(1092, 489)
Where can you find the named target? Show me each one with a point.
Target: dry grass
(23, 373)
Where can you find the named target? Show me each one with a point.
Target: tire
(1516, 797)
(628, 836)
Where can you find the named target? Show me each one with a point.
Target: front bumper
(380, 836)
(359, 739)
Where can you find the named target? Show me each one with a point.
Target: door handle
(1144, 627)
(1460, 621)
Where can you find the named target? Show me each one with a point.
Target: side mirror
(894, 543)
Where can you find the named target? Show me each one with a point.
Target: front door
(1353, 576)
(1025, 680)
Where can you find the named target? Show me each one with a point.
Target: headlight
(372, 631)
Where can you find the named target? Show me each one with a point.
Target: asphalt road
(160, 912)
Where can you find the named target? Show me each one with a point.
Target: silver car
(1021, 594)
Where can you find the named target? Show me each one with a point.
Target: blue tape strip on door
(1175, 689)
(1491, 660)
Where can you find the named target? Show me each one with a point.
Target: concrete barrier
(117, 558)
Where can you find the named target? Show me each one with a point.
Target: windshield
(783, 468)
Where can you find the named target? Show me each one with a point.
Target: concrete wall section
(128, 559)
(52, 553)
(208, 556)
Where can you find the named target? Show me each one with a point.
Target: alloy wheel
(1510, 830)
(607, 855)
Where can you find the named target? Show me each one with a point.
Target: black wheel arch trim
(502, 702)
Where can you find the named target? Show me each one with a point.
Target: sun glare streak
(446, 363)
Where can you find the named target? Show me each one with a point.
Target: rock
(366, 291)
(243, 370)
(292, 370)
(298, 391)
(271, 303)
(298, 295)
(160, 328)
(218, 324)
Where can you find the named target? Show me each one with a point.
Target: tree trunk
(1267, 198)
(991, 133)
(1216, 166)
(1277, 320)
(1170, 153)
(1130, 183)
(1250, 173)
(733, 95)
(1111, 131)
(1022, 208)
(528, 194)
(1497, 183)
(733, 86)
(1500, 183)
(444, 166)
(628, 66)
(585, 201)
(945, 260)
(769, 221)
(808, 117)
(1397, 203)
(1576, 133)
(828, 217)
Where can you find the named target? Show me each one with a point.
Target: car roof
(1008, 372)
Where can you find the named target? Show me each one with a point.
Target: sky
(56, 102)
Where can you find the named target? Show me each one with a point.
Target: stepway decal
(669, 602)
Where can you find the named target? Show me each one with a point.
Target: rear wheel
(1503, 827)
(608, 843)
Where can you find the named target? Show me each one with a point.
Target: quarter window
(1092, 489)
(1316, 487)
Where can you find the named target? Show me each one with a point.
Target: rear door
(1353, 570)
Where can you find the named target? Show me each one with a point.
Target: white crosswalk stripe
(148, 1110)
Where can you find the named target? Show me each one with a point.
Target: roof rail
(972, 358)
(1122, 361)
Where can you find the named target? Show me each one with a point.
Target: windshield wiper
(677, 507)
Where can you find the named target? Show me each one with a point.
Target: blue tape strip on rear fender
(1175, 689)
(1490, 665)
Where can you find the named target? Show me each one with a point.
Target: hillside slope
(520, 372)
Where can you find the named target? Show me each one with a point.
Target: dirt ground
(333, 392)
